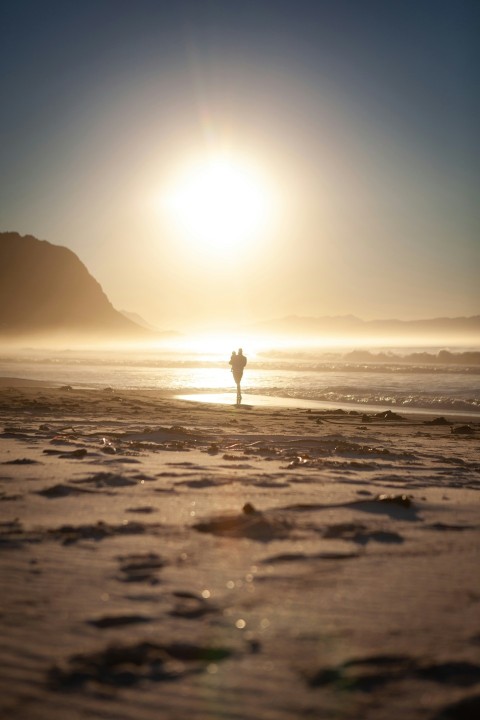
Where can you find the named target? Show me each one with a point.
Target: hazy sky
(361, 117)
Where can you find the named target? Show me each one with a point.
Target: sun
(219, 203)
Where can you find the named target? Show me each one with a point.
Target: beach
(164, 558)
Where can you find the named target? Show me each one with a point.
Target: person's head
(240, 351)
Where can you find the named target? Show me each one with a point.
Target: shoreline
(251, 400)
(272, 401)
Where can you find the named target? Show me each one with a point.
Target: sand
(161, 558)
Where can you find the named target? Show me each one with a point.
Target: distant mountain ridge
(351, 325)
(45, 288)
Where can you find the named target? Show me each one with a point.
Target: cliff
(45, 288)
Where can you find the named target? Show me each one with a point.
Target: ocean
(306, 378)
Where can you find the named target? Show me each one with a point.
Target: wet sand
(162, 558)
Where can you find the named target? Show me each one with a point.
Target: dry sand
(166, 559)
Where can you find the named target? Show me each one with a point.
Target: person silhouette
(238, 362)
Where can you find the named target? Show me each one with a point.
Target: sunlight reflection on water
(400, 387)
(253, 400)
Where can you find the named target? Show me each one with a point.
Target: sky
(352, 124)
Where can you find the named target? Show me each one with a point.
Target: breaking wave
(432, 387)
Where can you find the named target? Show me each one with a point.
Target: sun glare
(220, 203)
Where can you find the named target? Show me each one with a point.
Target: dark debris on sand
(127, 665)
(250, 523)
(69, 534)
(141, 567)
(368, 673)
(466, 709)
(463, 430)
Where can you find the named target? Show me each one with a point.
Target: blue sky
(364, 114)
